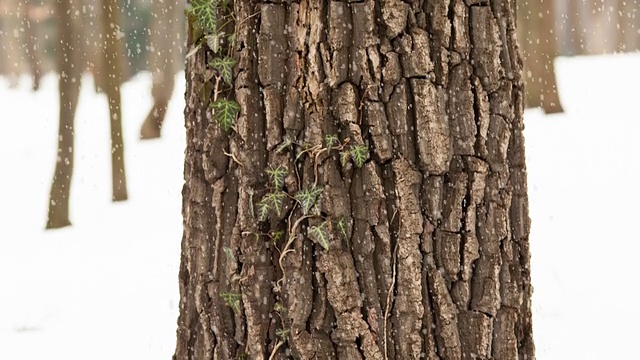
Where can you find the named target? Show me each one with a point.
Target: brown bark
(69, 80)
(428, 251)
(538, 39)
(112, 79)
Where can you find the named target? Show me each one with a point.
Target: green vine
(206, 14)
(232, 300)
(342, 226)
(208, 18)
(282, 334)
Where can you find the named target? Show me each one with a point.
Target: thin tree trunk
(538, 39)
(11, 48)
(162, 65)
(427, 252)
(629, 23)
(112, 79)
(31, 45)
(69, 81)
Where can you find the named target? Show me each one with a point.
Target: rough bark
(428, 252)
(69, 80)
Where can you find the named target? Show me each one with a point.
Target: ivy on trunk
(371, 200)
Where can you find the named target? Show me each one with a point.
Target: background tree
(69, 81)
(112, 74)
(72, 60)
(163, 61)
(538, 38)
(370, 199)
(29, 20)
(11, 62)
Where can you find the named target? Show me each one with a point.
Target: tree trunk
(538, 39)
(69, 80)
(629, 23)
(112, 79)
(12, 58)
(162, 65)
(30, 37)
(400, 229)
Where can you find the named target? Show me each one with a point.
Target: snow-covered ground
(106, 288)
(584, 172)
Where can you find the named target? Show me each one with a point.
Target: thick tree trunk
(69, 80)
(427, 251)
(112, 79)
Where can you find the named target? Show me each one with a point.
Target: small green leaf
(344, 158)
(225, 68)
(282, 334)
(278, 307)
(225, 4)
(277, 175)
(359, 154)
(213, 41)
(232, 300)
(263, 210)
(342, 226)
(206, 14)
(232, 38)
(229, 252)
(277, 235)
(275, 201)
(285, 144)
(320, 235)
(225, 112)
(330, 140)
(307, 198)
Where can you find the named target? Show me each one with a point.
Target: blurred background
(91, 101)
(29, 34)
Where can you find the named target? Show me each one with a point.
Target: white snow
(584, 171)
(107, 287)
